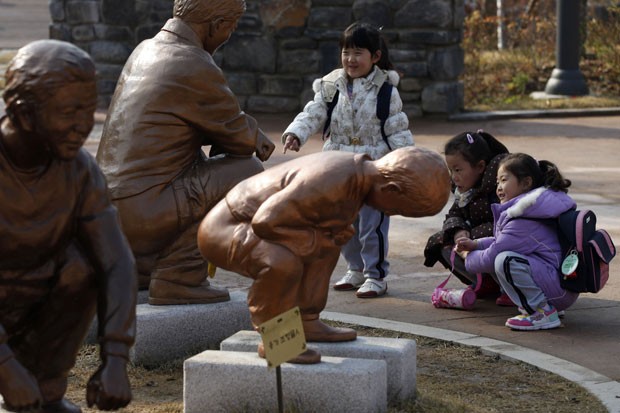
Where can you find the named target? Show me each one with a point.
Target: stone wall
(281, 46)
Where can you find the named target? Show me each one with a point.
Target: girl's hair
(365, 36)
(475, 147)
(543, 173)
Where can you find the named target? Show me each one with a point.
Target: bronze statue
(284, 227)
(63, 256)
(171, 100)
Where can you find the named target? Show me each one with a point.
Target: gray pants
(367, 250)
(515, 276)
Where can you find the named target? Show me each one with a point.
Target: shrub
(504, 79)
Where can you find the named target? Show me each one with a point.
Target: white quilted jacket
(354, 126)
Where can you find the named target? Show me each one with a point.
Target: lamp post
(566, 78)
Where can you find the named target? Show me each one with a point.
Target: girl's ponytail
(543, 173)
(552, 178)
(495, 146)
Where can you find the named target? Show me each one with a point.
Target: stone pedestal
(167, 332)
(225, 381)
(399, 355)
(172, 331)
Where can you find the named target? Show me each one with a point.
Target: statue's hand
(109, 387)
(18, 387)
(343, 236)
(264, 147)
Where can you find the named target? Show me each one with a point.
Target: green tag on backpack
(570, 264)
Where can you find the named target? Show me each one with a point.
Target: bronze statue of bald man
(63, 256)
(284, 227)
(171, 100)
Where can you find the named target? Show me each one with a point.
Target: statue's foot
(316, 330)
(307, 357)
(163, 292)
(60, 406)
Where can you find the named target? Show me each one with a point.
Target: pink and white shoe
(540, 320)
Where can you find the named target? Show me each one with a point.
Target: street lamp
(566, 78)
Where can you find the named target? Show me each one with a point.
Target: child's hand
(465, 244)
(291, 142)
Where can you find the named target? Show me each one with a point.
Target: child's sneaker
(372, 287)
(350, 281)
(540, 320)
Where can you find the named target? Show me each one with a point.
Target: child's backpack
(383, 109)
(587, 251)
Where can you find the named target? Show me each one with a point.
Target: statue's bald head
(42, 67)
(423, 176)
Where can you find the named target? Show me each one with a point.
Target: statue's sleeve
(213, 109)
(100, 233)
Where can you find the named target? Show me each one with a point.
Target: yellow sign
(211, 270)
(283, 337)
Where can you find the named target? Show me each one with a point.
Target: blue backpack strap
(383, 108)
(330, 108)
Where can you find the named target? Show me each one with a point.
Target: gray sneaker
(350, 281)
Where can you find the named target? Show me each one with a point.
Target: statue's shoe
(316, 330)
(307, 357)
(163, 292)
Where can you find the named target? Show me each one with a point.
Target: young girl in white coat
(355, 127)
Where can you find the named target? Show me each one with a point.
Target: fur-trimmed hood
(337, 79)
(539, 203)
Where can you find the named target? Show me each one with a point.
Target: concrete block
(225, 381)
(399, 355)
(171, 331)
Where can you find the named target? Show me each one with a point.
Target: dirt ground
(450, 378)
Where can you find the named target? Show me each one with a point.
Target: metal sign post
(283, 339)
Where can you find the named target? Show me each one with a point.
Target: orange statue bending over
(285, 226)
(62, 255)
(171, 100)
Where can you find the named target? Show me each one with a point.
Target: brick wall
(281, 46)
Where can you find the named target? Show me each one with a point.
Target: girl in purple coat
(525, 252)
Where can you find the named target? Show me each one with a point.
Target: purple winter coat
(536, 240)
